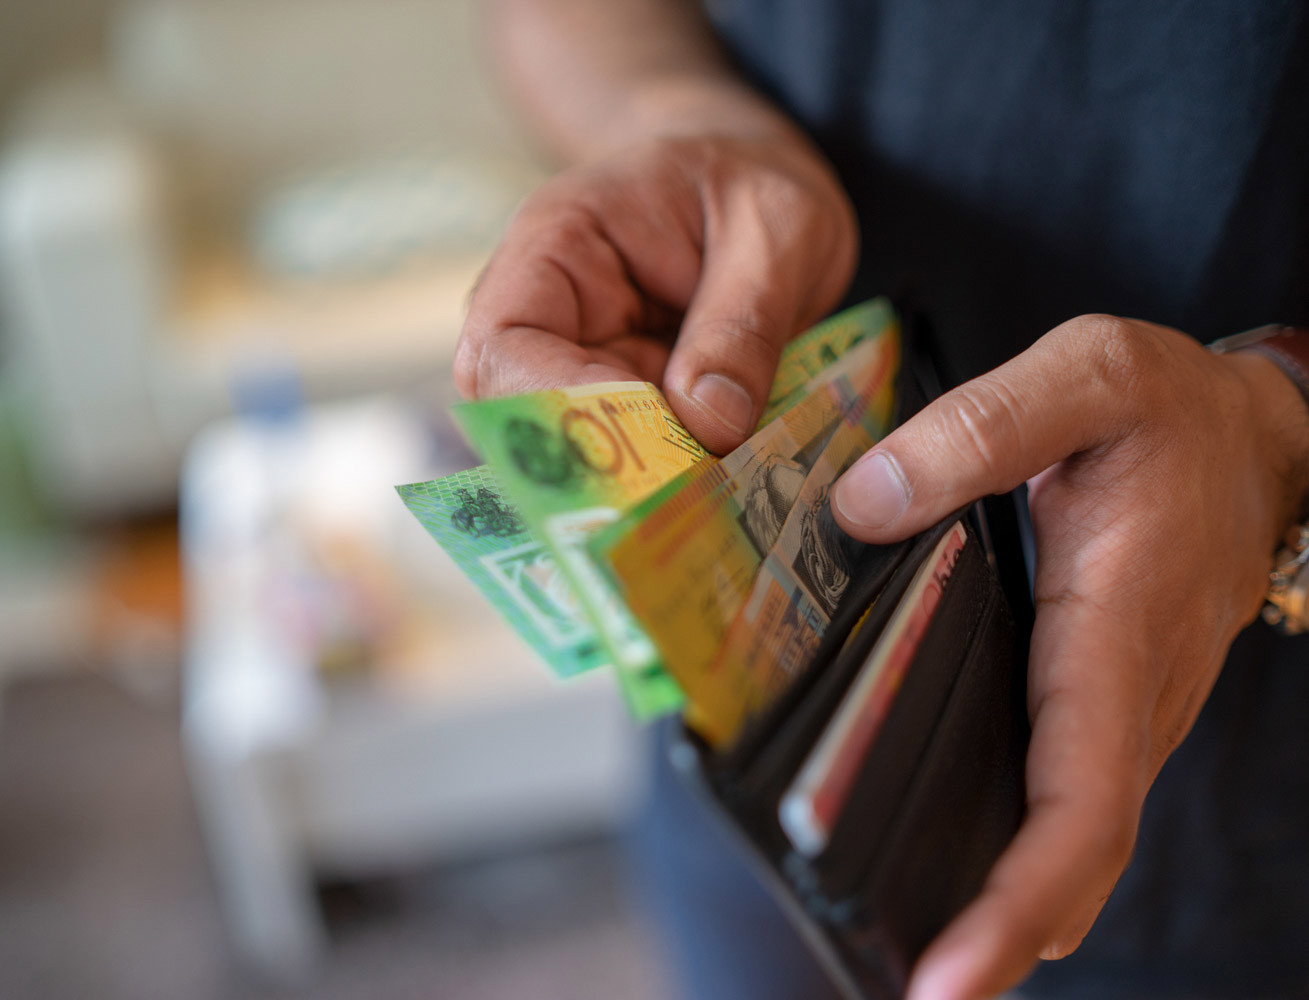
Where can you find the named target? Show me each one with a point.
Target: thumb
(1062, 396)
(752, 298)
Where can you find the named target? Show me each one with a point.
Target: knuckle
(1172, 721)
(1107, 817)
(982, 420)
(567, 226)
(792, 209)
(563, 209)
(1163, 742)
(542, 203)
(745, 336)
(1118, 353)
(466, 365)
(714, 162)
(782, 199)
(718, 159)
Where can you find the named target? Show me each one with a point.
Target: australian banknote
(488, 539)
(572, 460)
(688, 566)
(777, 628)
(821, 346)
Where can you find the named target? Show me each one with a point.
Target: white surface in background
(477, 750)
(83, 273)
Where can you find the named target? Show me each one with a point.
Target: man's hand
(685, 261)
(1162, 477)
(698, 231)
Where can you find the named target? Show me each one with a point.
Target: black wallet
(937, 793)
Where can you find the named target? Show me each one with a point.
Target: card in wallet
(878, 790)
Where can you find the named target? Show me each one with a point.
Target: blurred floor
(105, 892)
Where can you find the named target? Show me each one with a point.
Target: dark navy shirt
(1025, 162)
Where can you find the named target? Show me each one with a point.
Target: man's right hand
(687, 261)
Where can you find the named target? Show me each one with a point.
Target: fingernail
(872, 493)
(726, 400)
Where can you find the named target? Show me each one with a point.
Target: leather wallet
(933, 792)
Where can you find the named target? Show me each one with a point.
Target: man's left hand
(1162, 477)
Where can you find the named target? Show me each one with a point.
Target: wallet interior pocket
(970, 598)
(937, 798)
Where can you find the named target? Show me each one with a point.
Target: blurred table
(350, 705)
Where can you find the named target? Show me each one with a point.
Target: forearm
(594, 76)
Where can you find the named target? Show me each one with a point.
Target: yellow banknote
(689, 566)
(776, 630)
(806, 357)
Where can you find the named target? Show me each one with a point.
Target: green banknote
(488, 540)
(573, 460)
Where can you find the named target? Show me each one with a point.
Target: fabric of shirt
(1019, 163)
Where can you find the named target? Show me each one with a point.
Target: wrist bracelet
(1287, 600)
(1285, 346)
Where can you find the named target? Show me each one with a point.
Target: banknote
(687, 569)
(765, 470)
(801, 369)
(488, 539)
(806, 365)
(804, 358)
(572, 460)
(775, 626)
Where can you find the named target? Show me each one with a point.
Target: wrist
(1281, 419)
(689, 105)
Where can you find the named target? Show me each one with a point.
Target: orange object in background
(137, 604)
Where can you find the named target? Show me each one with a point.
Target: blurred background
(257, 736)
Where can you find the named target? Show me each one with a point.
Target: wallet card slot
(874, 579)
(889, 768)
(760, 778)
